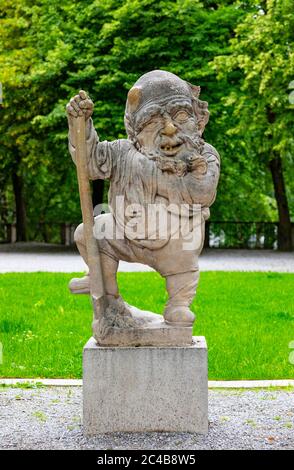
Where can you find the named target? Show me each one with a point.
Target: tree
(50, 49)
(262, 52)
(23, 96)
(36, 55)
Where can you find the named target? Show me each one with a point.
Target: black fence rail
(231, 234)
(46, 232)
(218, 234)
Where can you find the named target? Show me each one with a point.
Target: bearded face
(164, 117)
(168, 129)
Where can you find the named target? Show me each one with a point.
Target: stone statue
(164, 168)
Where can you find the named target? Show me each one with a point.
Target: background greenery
(240, 52)
(247, 319)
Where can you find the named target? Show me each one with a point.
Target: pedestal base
(145, 389)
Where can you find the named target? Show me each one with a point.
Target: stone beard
(164, 161)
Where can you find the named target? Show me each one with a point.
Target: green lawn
(247, 318)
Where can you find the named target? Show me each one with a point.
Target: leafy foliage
(49, 50)
(262, 56)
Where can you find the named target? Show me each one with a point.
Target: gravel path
(50, 418)
(31, 257)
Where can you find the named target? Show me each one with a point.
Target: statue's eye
(152, 124)
(182, 116)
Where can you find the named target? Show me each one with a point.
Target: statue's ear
(200, 108)
(195, 90)
(134, 97)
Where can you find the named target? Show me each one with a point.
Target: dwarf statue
(163, 163)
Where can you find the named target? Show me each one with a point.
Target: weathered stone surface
(152, 330)
(145, 389)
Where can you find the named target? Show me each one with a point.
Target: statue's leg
(181, 289)
(80, 285)
(80, 242)
(109, 268)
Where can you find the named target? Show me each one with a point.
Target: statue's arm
(202, 185)
(101, 156)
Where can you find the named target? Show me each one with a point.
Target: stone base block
(141, 389)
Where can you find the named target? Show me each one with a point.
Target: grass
(247, 318)
(22, 385)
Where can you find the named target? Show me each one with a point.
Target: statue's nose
(169, 128)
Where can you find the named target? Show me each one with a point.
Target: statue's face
(167, 129)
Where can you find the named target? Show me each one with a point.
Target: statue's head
(164, 115)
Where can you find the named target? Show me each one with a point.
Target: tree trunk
(3, 203)
(97, 192)
(284, 229)
(21, 219)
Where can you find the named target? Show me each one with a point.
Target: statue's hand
(79, 105)
(198, 164)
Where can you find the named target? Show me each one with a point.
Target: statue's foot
(80, 285)
(177, 315)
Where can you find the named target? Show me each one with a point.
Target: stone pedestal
(141, 389)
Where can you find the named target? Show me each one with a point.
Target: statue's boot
(179, 315)
(181, 289)
(80, 285)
